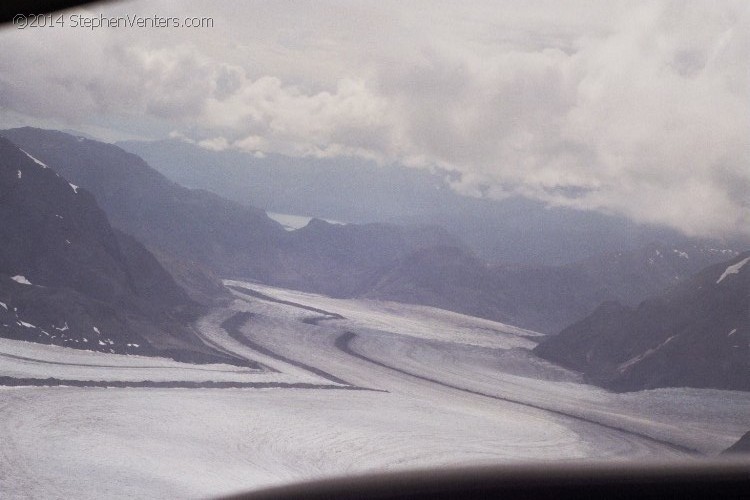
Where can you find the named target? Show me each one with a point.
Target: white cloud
(640, 109)
(214, 144)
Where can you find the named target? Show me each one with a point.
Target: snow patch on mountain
(626, 365)
(681, 254)
(733, 269)
(43, 165)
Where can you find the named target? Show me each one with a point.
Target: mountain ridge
(68, 278)
(230, 239)
(514, 230)
(374, 260)
(696, 334)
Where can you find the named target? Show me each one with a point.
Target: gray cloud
(639, 109)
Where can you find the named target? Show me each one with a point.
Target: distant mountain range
(695, 334)
(68, 278)
(511, 231)
(230, 239)
(541, 298)
(416, 264)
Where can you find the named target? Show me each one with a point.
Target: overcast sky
(640, 109)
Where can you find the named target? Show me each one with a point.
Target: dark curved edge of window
(717, 478)
(10, 8)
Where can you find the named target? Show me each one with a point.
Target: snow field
(448, 390)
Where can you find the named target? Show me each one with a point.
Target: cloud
(214, 144)
(639, 109)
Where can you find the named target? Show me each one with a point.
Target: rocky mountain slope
(230, 239)
(68, 278)
(695, 334)
(741, 446)
(541, 298)
(190, 224)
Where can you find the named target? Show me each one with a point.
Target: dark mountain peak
(322, 227)
(80, 158)
(142, 202)
(741, 446)
(695, 333)
(52, 229)
(316, 223)
(68, 278)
